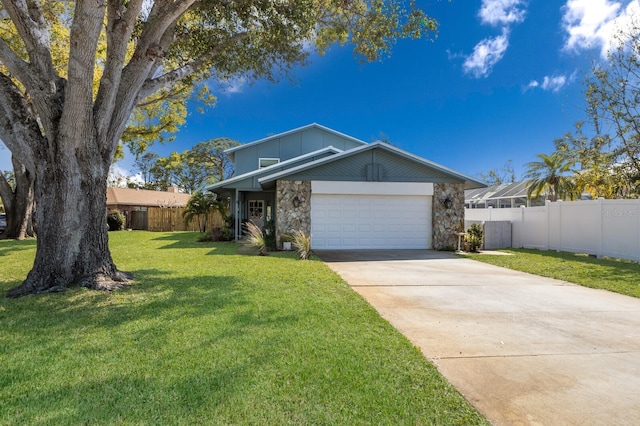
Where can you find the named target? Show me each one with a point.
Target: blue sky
(500, 82)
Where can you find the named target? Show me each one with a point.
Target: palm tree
(551, 176)
(199, 206)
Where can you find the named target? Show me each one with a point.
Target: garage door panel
(370, 221)
(350, 214)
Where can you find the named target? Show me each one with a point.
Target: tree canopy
(551, 177)
(612, 89)
(190, 170)
(72, 74)
(603, 152)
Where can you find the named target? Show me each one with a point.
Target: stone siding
(288, 217)
(447, 221)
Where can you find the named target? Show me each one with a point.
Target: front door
(256, 212)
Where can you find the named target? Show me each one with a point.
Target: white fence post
(547, 206)
(600, 226)
(638, 225)
(521, 228)
(559, 203)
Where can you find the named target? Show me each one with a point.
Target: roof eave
(224, 183)
(470, 183)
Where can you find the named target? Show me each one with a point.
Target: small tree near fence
(199, 206)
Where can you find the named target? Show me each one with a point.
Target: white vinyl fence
(599, 227)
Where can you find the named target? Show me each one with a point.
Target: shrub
(217, 234)
(270, 235)
(115, 220)
(474, 237)
(287, 237)
(226, 234)
(302, 243)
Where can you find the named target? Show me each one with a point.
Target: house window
(266, 162)
(256, 209)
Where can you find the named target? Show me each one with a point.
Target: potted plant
(474, 237)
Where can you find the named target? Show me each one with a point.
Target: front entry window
(256, 209)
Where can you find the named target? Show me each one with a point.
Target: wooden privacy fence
(171, 219)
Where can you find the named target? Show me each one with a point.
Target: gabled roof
(299, 129)
(144, 197)
(469, 181)
(270, 169)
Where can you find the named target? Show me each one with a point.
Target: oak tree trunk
(19, 204)
(73, 243)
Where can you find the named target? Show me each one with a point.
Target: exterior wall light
(296, 202)
(447, 203)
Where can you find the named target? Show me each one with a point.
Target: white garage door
(364, 221)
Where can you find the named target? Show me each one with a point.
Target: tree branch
(16, 66)
(19, 128)
(39, 77)
(120, 25)
(83, 39)
(153, 42)
(153, 85)
(32, 28)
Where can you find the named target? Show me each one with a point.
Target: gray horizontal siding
(394, 168)
(251, 182)
(288, 147)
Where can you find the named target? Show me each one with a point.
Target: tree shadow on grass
(159, 351)
(154, 292)
(11, 246)
(180, 240)
(189, 240)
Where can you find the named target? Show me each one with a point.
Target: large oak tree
(58, 126)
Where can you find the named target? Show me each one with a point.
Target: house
(135, 203)
(346, 193)
(505, 195)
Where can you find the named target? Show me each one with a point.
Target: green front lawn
(620, 276)
(207, 336)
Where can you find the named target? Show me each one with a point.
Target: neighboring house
(506, 195)
(135, 203)
(346, 193)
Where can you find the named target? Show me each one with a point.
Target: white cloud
(594, 23)
(553, 83)
(489, 51)
(486, 54)
(233, 85)
(502, 12)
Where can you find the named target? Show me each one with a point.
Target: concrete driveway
(523, 349)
